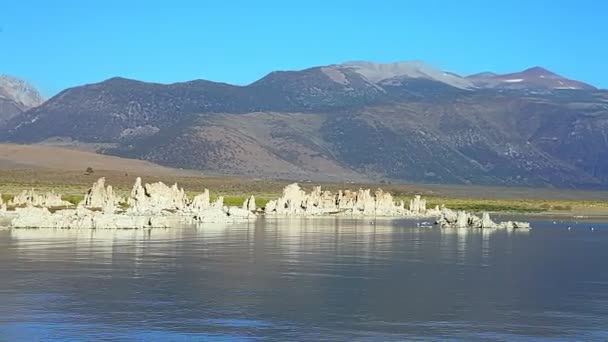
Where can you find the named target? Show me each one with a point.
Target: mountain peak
(19, 91)
(537, 78)
(391, 72)
(539, 71)
(389, 65)
(536, 69)
(120, 80)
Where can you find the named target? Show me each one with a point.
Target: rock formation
(226, 214)
(486, 221)
(101, 197)
(218, 203)
(35, 199)
(249, 204)
(418, 205)
(201, 201)
(156, 197)
(295, 201)
(150, 206)
(159, 205)
(462, 219)
(82, 218)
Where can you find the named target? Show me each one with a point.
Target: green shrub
(73, 199)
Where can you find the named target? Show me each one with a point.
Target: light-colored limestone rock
(201, 201)
(239, 214)
(137, 199)
(159, 222)
(292, 200)
(109, 221)
(271, 207)
(102, 197)
(33, 198)
(156, 197)
(211, 215)
(31, 217)
(486, 221)
(225, 215)
(249, 204)
(151, 206)
(364, 203)
(514, 225)
(82, 218)
(218, 203)
(166, 197)
(295, 201)
(418, 205)
(462, 219)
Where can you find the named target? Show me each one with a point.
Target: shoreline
(234, 191)
(157, 205)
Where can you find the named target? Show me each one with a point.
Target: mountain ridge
(536, 77)
(398, 121)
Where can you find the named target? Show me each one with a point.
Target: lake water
(306, 279)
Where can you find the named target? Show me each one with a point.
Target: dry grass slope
(63, 170)
(35, 157)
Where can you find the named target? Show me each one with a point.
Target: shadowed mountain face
(401, 121)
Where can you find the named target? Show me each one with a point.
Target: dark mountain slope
(534, 78)
(119, 109)
(260, 144)
(472, 142)
(401, 121)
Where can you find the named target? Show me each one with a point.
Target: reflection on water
(303, 279)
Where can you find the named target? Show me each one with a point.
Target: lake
(306, 279)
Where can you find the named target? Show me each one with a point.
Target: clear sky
(58, 44)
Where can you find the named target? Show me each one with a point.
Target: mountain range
(404, 121)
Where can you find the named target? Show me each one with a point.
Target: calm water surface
(306, 279)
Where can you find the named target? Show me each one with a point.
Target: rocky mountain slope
(399, 121)
(16, 96)
(536, 78)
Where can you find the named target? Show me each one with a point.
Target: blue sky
(59, 44)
